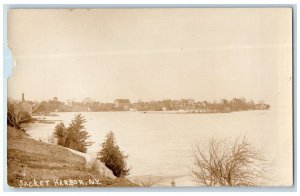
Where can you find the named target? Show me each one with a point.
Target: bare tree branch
(228, 164)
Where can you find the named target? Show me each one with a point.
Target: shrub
(223, 163)
(60, 133)
(13, 119)
(112, 157)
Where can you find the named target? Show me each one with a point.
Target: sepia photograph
(150, 97)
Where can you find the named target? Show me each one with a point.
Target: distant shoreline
(143, 112)
(42, 118)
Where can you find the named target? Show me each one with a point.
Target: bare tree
(13, 118)
(223, 163)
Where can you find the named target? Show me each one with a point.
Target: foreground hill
(32, 163)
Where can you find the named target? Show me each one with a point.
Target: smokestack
(23, 98)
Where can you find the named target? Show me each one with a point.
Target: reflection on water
(160, 144)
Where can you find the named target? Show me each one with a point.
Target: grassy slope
(29, 159)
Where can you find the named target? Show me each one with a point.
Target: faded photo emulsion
(160, 97)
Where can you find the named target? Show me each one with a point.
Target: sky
(151, 54)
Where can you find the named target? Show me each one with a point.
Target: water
(160, 144)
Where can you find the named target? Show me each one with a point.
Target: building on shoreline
(123, 104)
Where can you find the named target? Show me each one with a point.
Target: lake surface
(160, 144)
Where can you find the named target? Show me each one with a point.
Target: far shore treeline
(189, 105)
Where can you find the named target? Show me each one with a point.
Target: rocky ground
(36, 164)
